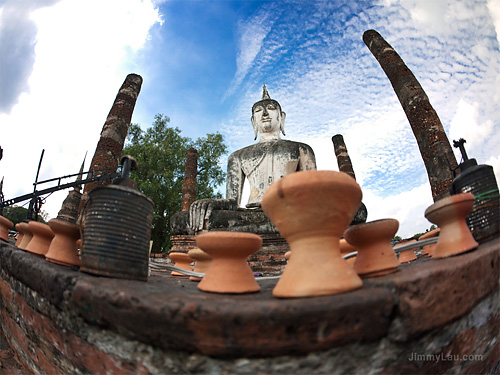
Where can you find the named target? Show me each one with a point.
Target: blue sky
(204, 62)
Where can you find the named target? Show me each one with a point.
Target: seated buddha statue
(260, 165)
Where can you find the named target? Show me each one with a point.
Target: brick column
(189, 184)
(113, 134)
(434, 146)
(343, 159)
(114, 131)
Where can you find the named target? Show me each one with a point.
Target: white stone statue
(261, 164)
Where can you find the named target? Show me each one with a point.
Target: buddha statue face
(268, 119)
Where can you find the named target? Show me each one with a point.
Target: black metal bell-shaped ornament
(484, 219)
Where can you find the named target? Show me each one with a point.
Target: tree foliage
(17, 214)
(161, 154)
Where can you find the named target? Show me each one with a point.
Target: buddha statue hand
(200, 211)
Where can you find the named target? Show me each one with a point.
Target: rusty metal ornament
(484, 220)
(117, 230)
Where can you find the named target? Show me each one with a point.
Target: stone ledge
(52, 281)
(174, 314)
(170, 313)
(432, 293)
(475, 336)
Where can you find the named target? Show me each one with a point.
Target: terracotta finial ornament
(203, 261)
(20, 234)
(27, 235)
(229, 271)
(311, 210)
(63, 248)
(408, 255)
(42, 236)
(429, 249)
(5, 225)
(450, 214)
(181, 260)
(376, 256)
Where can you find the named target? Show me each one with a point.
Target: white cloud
(252, 35)
(494, 9)
(84, 50)
(17, 40)
(407, 207)
(465, 125)
(494, 161)
(428, 12)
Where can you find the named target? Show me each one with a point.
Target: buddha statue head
(267, 118)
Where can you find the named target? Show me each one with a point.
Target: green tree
(17, 214)
(161, 154)
(396, 239)
(417, 235)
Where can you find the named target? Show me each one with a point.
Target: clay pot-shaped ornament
(203, 261)
(229, 271)
(429, 249)
(311, 210)
(347, 248)
(450, 214)
(5, 225)
(63, 248)
(407, 255)
(42, 237)
(27, 235)
(181, 260)
(376, 257)
(20, 234)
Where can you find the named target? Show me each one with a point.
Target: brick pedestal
(269, 260)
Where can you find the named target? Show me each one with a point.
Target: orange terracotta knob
(376, 256)
(203, 261)
(450, 214)
(64, 249)
(20, 234)
(42, 236)
(181, 260)
(429, 249)
(311, 210)
(26, 237)
(5, 225)
(229, 271)
(407, 255)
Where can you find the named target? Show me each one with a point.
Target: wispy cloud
(251, 39)
(328, 82)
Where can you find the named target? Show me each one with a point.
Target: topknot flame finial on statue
(265, 93)
(266, 98)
